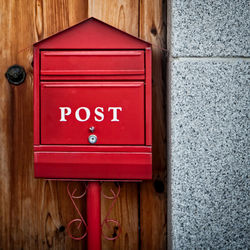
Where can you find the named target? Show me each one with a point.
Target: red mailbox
(92, 105)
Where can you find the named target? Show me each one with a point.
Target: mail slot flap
(115, 111)
(100, 62)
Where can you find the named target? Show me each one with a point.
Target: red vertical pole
(94, 215)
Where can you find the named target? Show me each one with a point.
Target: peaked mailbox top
(92, 34)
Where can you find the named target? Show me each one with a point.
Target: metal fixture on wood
(15, 74)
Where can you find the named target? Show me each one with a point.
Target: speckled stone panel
(210, 28)
(210, 154)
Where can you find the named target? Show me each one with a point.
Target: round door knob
(92, 139)
(15, 74)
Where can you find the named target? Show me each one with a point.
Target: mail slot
(86, 64)
(92, 105)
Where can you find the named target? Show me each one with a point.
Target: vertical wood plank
(122, 14)
(56, 207)
(5, 127)
(153, 195)
(16, 119)
(78, 11)
(33, 213)
(125, 211)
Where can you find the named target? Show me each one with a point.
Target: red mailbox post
(92, 105)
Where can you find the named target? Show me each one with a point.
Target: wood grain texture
(33, 213)
(56, 207)
(5, 129)
(125, 211)
(122, 14)
(153, 195)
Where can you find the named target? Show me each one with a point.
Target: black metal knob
(15, 74)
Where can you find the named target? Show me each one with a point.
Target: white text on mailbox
(99, 113)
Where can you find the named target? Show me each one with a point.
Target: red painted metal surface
(108, 222)
(93, 229)
(148, 96)
(96, 99)
(79, 221)
(92, 148)
(86, 63)
(93, 165)
(100, 80)
(94, 215)
(36, 97)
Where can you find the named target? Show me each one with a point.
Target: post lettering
(115, 113)
(77, 114)
(100, 114)
(64, 111)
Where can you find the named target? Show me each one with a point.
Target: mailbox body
(92, 79)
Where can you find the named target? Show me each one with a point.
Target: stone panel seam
(223, 59)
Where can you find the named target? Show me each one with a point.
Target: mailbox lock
(92, 139)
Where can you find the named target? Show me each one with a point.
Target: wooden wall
(34, 213)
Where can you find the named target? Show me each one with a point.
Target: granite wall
(209, 82)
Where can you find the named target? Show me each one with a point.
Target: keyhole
(92, 139)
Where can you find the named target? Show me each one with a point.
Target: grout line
(170, 235)
(212, 58)
(169, 225)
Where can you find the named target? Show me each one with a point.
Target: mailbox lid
(128, 130)
(84, 64)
